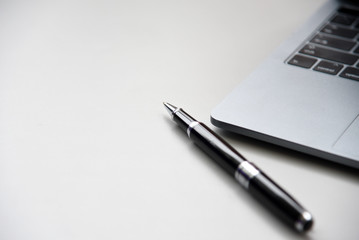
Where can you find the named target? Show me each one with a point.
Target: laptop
(305, 96)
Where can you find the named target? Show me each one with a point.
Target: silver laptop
(305, 96)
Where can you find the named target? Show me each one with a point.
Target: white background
(87, 150)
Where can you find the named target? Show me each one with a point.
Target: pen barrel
(212, 144)
(247, 174)
(280, 202)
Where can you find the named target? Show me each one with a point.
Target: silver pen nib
(170, 108)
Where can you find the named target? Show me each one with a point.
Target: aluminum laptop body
(301, 97)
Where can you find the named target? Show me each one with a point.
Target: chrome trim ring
(190, 127)
(174, 112)
(245, 172)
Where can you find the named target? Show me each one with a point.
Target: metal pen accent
(245, 172)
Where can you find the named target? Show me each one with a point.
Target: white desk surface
(87, 150)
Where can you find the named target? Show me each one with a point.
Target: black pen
(245, 172)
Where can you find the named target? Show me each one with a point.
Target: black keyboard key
(339, 31)
(328, 54)
(333, 42)
(328, 67)
(356, 50)
(343, 19)
(349, 11)
(350, 73)
(302, 61)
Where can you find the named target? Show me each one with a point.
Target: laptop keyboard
(334, 49)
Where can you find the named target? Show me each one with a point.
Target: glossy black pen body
(245, 172)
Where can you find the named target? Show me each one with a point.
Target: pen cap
(280, 202)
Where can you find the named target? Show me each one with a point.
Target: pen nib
(170, 108)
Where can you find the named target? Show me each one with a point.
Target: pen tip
(170, 108)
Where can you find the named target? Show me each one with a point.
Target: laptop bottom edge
(286, 144)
